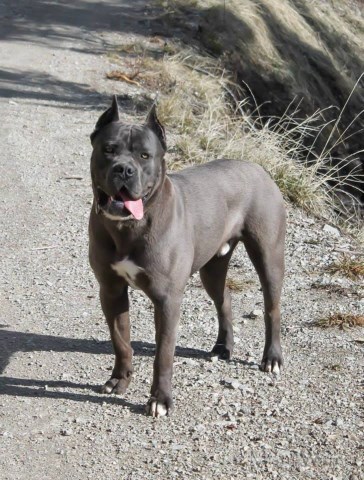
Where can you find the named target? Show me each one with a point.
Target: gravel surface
(231, 421)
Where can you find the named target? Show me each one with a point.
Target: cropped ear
(154, 124)
(110, 115)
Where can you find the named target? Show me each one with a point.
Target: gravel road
(231, 421)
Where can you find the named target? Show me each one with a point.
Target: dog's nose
(124, 171)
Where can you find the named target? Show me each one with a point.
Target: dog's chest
(128, 270)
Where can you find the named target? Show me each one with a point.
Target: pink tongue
(135, 207)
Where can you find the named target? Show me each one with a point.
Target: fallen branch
(72, 177)
(49, 247)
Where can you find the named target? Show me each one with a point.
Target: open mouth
(121, 204)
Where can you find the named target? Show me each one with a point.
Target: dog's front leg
(115, 306)
(167, 315)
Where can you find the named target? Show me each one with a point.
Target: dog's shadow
(12, 342)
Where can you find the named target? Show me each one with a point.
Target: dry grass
(333, 367)
(348, 266)
(198, 105)
(207, 127)
(235, 284)
(285, 50)
(341, 321)
(355, 290)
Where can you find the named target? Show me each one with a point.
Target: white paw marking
(276, 369)
(223, 250)
(157, 409)
(128, 270)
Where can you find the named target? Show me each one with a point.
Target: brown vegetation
(209, 115)
(348, 266)
(297, 56)
(341, 320)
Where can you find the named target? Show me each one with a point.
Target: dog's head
(127, 164)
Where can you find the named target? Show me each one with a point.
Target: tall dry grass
(279, 51)
(205, 118)
(208, 122)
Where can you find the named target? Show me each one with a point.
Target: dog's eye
(144, 155)
(109, 149)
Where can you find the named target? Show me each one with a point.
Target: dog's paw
(116, 385)
(159, 408)
(272, 361)
(223, 351)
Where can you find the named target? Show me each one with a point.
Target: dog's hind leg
(213, 277)
(266, 251)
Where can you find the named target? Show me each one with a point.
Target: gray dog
(151, 231)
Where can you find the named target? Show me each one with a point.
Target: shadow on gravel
(40, 88)
(53, 23)
(12, 342)
(70, 26)
(31, 85)
(23, 387)
(146, 349)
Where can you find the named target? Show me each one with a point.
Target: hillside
(298, 58)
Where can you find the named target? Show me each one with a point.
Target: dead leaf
(123, 77)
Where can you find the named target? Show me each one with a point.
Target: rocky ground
(230, 421)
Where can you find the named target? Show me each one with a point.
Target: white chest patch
(223, 250)
(128, 270)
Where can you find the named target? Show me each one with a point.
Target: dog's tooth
(97, 208)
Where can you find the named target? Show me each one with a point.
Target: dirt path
(54, 348)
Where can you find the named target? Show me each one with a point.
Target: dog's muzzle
(121, 205)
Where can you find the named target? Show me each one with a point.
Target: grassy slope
(282, 50)
(310, 53)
